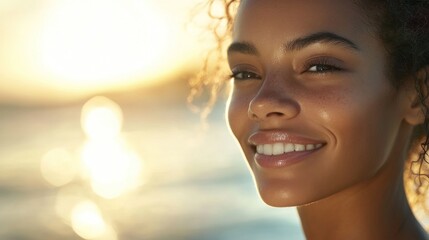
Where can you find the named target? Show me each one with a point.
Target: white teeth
(260, 149)
(309, 147)
(278, 148)
(281, 148)
(268, 149)
(299, 147)
(289, 147)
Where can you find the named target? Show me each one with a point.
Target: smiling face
(311, 106)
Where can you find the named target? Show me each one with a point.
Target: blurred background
(96, 137)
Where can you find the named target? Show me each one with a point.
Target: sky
(59, 50)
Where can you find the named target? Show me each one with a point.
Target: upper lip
(276, 136)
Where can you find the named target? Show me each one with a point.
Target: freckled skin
(343, 190)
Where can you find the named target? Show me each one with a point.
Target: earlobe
(419, 97)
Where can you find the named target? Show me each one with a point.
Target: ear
(417, 91)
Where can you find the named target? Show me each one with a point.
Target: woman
(327, 98)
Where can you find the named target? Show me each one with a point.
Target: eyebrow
(320, 37)
(243, 47)
(296, 44)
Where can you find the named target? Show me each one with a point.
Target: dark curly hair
(402, 26)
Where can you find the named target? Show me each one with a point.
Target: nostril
(265, 115)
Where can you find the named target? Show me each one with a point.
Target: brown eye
(245, 75)
(321, 68)
(323, 65)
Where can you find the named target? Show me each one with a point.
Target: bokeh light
(88, 222)
(101, 118)
(112, 168)
(67, 198)
(58, 167)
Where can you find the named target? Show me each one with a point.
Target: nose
(271, 102)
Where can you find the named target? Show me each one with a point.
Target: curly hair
(403, 28)
(214, 72)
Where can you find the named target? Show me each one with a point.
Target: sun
(62, 50)
(90, 43)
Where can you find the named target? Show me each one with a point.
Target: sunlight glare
(68, 197)
(58, 167)
(88, 222)
(95, 42)
(101, 118)
(112, 169)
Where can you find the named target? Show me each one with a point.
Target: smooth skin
(315, 69)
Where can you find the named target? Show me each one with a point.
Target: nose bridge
(275, 98)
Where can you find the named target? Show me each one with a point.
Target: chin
(281, 194)
(278, 196)
(275, 202)
(278, 200)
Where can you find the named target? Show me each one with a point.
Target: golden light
(112, 169)
(88, 222)
(62, 50)
(93, 42)
(101, 118)
(67, 198)
(58, 167)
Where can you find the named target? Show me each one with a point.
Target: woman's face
(311, 106)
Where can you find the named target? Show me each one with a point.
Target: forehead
(294, 18)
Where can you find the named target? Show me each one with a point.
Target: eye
(244, 75)
(321, 68)
(323, 65)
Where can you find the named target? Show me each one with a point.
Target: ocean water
(195, 184)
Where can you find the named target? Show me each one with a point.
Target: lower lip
(283, 160)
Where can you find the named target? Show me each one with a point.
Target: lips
(279, 149)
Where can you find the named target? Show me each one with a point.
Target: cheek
(238, 120)
(363, 126)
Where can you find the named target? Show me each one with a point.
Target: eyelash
(248, 75)
(325, 63)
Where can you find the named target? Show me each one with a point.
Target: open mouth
(274, 149)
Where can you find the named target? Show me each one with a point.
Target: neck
(369, 210)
